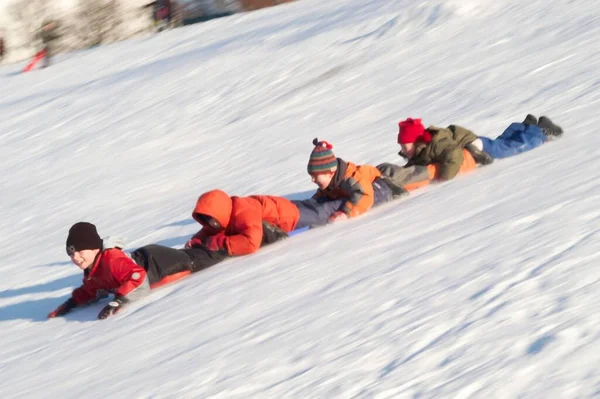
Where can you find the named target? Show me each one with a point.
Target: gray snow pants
(316, 212)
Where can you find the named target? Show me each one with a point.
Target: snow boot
(480, 156)
(551, 130)
(530, 120)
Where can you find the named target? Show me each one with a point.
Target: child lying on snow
(345, 190)
(106, 268)
(442, 146)
(241, 225)
(231, 226)
(435, 154)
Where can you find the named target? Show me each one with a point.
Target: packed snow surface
(484, 286)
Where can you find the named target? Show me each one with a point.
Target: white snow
(482, 287)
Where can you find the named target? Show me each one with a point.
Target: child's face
(322, 179)
(84, 258)
(408, 150)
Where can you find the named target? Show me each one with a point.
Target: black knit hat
(83, 235)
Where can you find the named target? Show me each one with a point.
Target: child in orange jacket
(360, 187)
(241, 225)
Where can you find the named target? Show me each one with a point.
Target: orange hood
(216, 204)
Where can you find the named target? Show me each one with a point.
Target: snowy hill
(485, 286)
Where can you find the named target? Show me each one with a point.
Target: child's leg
(517, 138)
(382, 192)
(160, 261)
(315, 212)
(410, 178)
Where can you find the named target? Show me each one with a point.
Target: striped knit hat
(321, 159)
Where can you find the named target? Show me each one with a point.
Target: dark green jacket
(444, 149)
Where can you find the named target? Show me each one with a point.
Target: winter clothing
(382, 192)
(517, 138)
(129, 279)
(115, 272)
(112, 308)
(321, 159)
(164, 264)
(480, 156)
(2, 48)
(316, 211)
(530, 120)
(416, 176)
(353, 183)
(63, 309)
(411, 131)
(444, 147)
(113, 242)
(319, 211)
(551, 130)
(411, 177)
(82, 235)
(243, 221)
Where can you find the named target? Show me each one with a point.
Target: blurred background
(27, 26)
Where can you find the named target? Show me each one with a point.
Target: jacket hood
(216, 204)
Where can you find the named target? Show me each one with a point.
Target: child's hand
(338, 216)
(215, 243)
(193, 243)
(112, 308)
(63, 309)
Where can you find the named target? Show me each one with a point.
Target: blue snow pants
(517, 138)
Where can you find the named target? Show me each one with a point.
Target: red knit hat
(412, 130)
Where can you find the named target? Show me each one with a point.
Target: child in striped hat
(322, 164)
(358, 186)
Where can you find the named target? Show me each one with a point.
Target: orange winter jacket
(242, 219)
(354, 182)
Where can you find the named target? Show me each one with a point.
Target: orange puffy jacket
(242, 219)
(354, 182)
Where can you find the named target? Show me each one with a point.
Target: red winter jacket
(242, 218)
(113, 271)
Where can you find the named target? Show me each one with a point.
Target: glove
(193, 242)
(63, 309)
(215, 243)
(112, 308)
(113, 242)
(338, 216)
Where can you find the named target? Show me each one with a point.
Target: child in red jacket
(107, 269)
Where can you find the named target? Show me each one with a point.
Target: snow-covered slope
(485, 286)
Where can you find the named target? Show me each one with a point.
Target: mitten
(113, 307)
(63, 309)
(215, 242)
